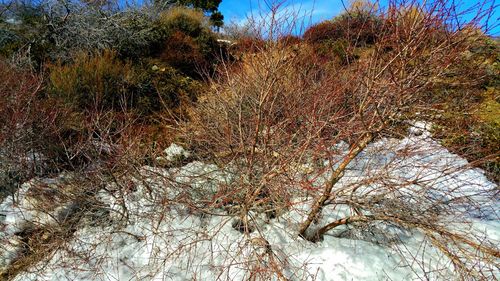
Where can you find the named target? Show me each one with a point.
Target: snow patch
(166, 240)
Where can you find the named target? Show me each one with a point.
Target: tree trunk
(334, 178)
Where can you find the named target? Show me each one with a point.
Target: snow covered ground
(166, 241)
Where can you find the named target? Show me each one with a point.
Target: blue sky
(318, 10)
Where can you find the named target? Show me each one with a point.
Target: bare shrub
(27, 127)
(272, 116)
(57, 30)
(105, 146)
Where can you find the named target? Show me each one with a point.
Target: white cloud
(293, 15)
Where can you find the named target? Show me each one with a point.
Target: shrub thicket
(189, 44)
(293, 113)
(159, 87)
(104, 82)
(359, 29)
(469, 103)
(341, 38)
(29, 127)
(92, 81)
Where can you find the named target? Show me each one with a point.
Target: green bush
(9, 42)
(181, 36)
(30, 34)
(105, 82)
(50, 34)
(159, 87)
(92, 82)
(474, 139)
(138, 37)
(189, 21)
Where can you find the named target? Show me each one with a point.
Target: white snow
(164, 240)
(175, 151)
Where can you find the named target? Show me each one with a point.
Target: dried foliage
(190, 45)
(92, 82)
(359, 29)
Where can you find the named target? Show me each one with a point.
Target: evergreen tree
(217, 20)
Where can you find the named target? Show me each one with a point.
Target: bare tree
(273, 115)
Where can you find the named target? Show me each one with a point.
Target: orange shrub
(189, 44)
(358, 29)
(289, 40)
(182, 52)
